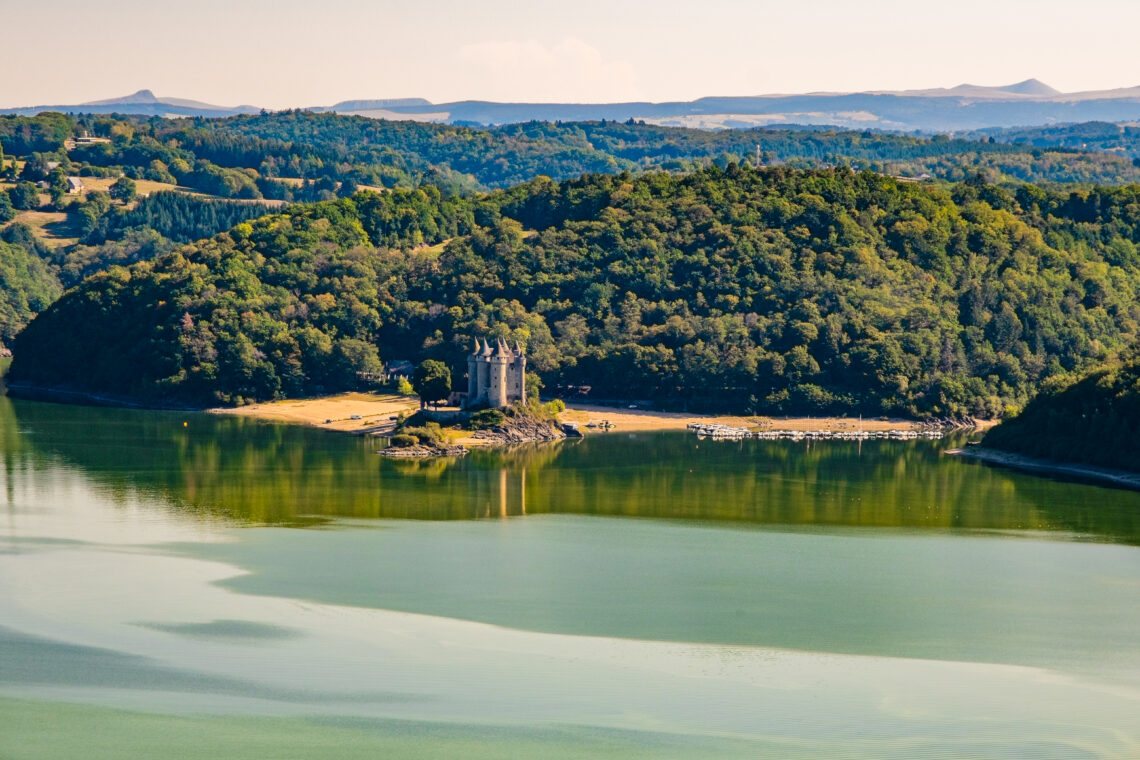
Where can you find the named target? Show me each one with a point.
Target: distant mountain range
(142, 103)
(966, 107)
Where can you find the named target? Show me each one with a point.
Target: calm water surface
(241, 589)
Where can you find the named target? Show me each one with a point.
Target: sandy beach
(641, 419)
(357, 413)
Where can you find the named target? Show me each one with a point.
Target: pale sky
(284, 53)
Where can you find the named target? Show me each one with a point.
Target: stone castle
(495, 376)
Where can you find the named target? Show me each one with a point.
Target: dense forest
(26, 282)
(773, 290)
(1094, 420)
(302, 157)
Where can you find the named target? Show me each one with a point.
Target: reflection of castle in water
(487, 483)
(498, 493)
(497, 485)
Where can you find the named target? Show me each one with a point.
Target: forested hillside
(1095, 420)
(27, 285)
(754, 290)
(251, 156)
(507, 155)
(298, 156)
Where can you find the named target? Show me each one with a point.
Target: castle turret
(483, 371)
(517, 374)
(497, 390)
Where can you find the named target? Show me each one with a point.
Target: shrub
(430, 434)
(24, 196)
(403, 441)
(486, 418)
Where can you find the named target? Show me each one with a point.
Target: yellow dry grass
(52, 227)
(148, 187)
(91, 184)
(433, 250)
(143, 186)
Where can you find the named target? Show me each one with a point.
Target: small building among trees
(399, 368)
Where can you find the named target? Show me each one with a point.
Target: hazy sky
(280, 53)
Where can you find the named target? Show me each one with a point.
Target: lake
(201, 586)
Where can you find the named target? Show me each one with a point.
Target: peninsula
(1087, 427)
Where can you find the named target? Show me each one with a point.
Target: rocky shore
(520, 430)
(513, 430)
(1120, 478)
(422, 452)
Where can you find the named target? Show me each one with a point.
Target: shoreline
(34, 392)
(360, 413)
(1033, 465)
(648, 420)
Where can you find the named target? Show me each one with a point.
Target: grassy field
(434, 250)
(147, 187)
(52, 227)
(144, 186)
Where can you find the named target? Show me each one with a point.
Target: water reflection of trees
(259, 472)
(282, 474)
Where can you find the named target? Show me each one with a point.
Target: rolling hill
(771, 290)
(965, 107)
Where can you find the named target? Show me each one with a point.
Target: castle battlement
(496, 376)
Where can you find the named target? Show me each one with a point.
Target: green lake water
(199, 586)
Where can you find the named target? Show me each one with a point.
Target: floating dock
(727, 432)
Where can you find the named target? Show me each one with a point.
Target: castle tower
(473, 374)
(484, 369)
(497, 389)
(517, 374)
